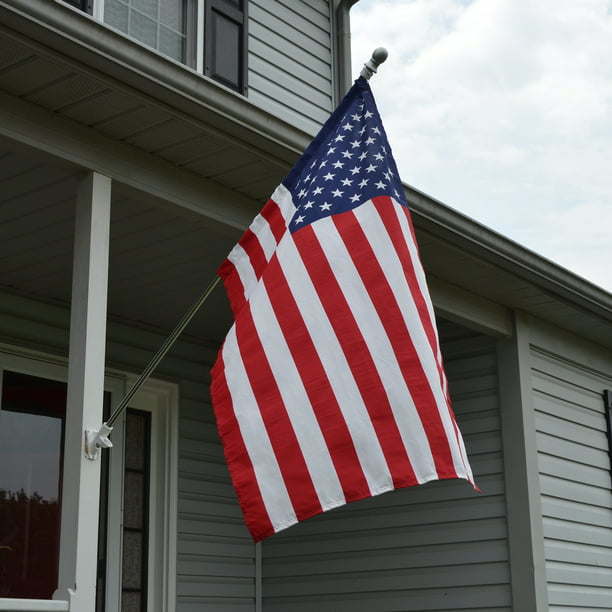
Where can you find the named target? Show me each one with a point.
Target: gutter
(442, 220)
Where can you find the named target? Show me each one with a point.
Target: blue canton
(348, 163)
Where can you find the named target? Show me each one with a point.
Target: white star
(339, 138)
(299, 219)
(325, 206)
(329, 176)
(390, 171)
(355, 144)
(338, 164)
(376, 130)
(360, 107)
(354, 198)
(378, 156)
(363, 183)
(323, 163)
(331, 150)
(347, 182)
(370, 140)
(386, 175)
(308, 204)
(381, 185)
(363, 156)
(363, 129)
(307, 178)
(355, 170)
(347, 126)
(302, 193)
(314, 163)
(317, 190)
(370, 168)
(368, 114)
(347, 154)
(337, 193)
(395, 192)
(356, 117)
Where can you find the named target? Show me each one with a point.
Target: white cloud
(503, 109)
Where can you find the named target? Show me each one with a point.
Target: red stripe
(271, 212)
(237, 457)
(358, 356)
(278, 425)
(386, 210)
(233, 286)
(250, 243)
(316, 383)
(388, 213)
(391, 317)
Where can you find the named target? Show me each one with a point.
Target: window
(137, 538)
(32, 415)
(215, 45)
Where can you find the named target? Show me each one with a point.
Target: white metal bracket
(95, 440)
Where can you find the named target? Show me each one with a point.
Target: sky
(502, 109)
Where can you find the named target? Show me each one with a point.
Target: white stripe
(334, 363)
(282, 196)
(290, 385)
(238, 256)
(419, 272)
(402, 405)
(261, 228)
(422, 282)
(387, 257)
(253, 432)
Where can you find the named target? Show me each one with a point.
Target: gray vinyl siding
(289, 60)
(215, 561)
(438, 547)
(574, 469)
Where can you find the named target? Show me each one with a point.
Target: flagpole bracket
(379, 55)
(95, 440)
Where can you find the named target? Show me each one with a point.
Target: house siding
(568, 379)
(290, 60)
(215, 554)
(438, 547)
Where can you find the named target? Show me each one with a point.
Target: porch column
(81, 480)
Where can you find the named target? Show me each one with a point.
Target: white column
(81, 480)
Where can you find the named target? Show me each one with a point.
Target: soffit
(210, 131)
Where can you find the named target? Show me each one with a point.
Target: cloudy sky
(502, 109)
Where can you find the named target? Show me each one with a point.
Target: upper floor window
(208, 35)
(165, 25)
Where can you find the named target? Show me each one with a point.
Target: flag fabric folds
(330, 386)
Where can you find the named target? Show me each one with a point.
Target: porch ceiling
(161, 257)
(204, 141)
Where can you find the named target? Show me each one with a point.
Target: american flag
(329, 386)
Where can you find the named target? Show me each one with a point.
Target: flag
(330, 386)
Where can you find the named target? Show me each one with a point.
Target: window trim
(161, 399)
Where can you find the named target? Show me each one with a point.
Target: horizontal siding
(574, 467)
(215, 561)
(439, 547)
(290, 60)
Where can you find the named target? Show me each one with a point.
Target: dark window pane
(131, 602)
(133, 500)
(132, 559)
(32, 413)
(135, 440)
(226, 50)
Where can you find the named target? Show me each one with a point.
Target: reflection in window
(161, 24)
(32, 415)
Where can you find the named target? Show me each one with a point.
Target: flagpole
(99, 439)
(95, 440)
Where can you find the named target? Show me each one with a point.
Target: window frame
(160, 398)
